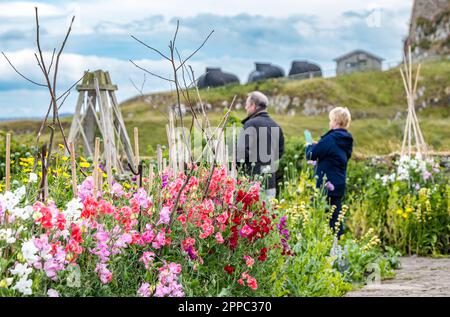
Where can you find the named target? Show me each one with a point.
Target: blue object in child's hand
(308, 137)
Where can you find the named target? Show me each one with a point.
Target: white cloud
(23, 9)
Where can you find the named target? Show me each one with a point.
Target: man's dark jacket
(249, 145)
(332, 153)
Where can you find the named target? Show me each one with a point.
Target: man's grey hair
(259, 99)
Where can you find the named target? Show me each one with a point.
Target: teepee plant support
(412, 135)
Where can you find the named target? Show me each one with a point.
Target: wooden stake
(151, 175)
(44, 182)
(74, 169)
(8, 162)
(136, 146)
(95, 172)
(159, 157)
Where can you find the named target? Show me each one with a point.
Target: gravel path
(417, 277)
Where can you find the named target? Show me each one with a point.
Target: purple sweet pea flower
(329, 186)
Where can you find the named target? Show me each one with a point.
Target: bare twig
(21, 75)
(149, 72)
(51, 62)
(195, 52)
(149, 47)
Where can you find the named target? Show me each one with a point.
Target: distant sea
(61, 115)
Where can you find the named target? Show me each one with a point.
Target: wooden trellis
(97, 110)
(412, 136)
(179, 154)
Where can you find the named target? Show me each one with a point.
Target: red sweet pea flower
(60, 221)
(74, 247)
(263, 255)
(229, 269)
(46, 219)
(76, 233)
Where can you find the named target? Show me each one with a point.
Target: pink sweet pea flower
(249, 261)
(219, 238)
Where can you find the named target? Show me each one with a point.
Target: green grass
(374, 99)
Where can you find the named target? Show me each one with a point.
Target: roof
(358, 52)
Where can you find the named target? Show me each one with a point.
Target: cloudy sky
(245, 31)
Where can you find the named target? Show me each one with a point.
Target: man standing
(261, 142)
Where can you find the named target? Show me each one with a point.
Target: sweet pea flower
(164, 216)
(249, 261)
(219, 238)
(147, 258)
(144, 290)
(245, 231)
(426, 175)
(117, 190)
(52, 293)
(329, 186)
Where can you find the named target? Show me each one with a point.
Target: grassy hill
(376, 100)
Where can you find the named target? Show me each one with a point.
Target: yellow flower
(85, 164)
(104, 175)
(64, 158)
(399, 211)
(82, 159)
(408, 209)
(66, 175)
(61, 146)
(20, 257)
(127, 186)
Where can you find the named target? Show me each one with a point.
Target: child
(332, 153)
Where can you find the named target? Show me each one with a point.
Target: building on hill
(215, 77)
(265, 71)
(357, 61)
(304, 69)
(429, 29)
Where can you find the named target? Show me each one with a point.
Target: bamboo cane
(95, 172)
(136, 146)
(74, 169)
(151, 175)
(8, 162)
(159, 158)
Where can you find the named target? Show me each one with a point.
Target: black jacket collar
(256, 114)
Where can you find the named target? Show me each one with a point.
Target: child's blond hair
(341, 116)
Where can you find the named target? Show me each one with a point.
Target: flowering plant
(82, 246)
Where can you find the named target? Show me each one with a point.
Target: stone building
(357, 61)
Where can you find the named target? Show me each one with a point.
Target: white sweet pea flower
(392, 177)
(29, 251)
(73, 210)
(24, 286)
(7, 235)
(22, 213)
(377, 176)
(33, 178)
(21, 270)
